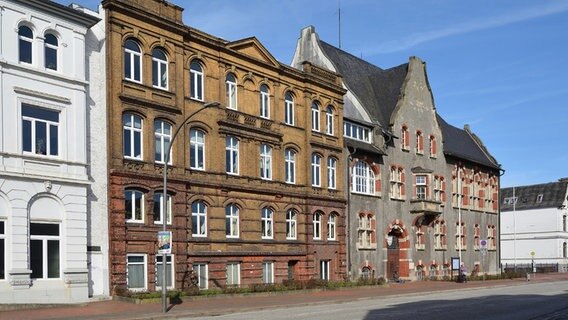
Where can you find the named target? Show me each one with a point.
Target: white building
(534, 224)
(44, 171)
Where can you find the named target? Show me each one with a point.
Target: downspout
(348, 211)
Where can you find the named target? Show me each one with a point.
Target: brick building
(255, 192)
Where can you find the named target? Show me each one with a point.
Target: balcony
(425, 206)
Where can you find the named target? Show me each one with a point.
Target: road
(542, 301)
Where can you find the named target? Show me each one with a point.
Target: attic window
(539, 198)
(510, 200)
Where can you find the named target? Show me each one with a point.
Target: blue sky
(499, 66)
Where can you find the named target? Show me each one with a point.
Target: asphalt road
(542, 301)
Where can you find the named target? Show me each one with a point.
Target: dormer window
(356, 132)
(539, 198)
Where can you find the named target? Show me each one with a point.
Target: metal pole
(164, 199)
(459, 218)
(514, 232)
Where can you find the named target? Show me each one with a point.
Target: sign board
(483, 244)
(455, 263)
(164, 242)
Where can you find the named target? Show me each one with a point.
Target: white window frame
(331, 173)
(364, 232)
(290, 165)
(363, 178)
(197, 148)
(289, 109)
(265, 162)
(232, 213)
(356, 132)
(196, 82)
(331, 227)
(159, 205)
(199, 219)
(315, 117)
(267, 223)
(132, 218)
(133, 58)
(421, 187)
(162, 141)
(316, 170)
(45, 239)
(159, 273)
(231, 91)
(317, 220)
(264, 102)
(159, 69)
(324, 270)
(232, 155)
(268, 272)
(233, 271)
(34, 123)
(144, 263)
(202, 272)
(3, 248)
(329, 126)
(28, 40)
(291, 224)
(136, 134)
(47, 47)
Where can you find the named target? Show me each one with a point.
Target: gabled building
(44, 172)
(534, 224)
(254, 192)
(421, 190)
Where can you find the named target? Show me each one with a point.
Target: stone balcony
(425, 206)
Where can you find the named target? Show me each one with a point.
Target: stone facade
(239, 214)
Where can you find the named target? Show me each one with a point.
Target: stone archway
(397, 244)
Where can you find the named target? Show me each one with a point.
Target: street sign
(483, 243)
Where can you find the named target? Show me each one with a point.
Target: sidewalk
(216, 305)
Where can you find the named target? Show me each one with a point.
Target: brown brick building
(254, 184)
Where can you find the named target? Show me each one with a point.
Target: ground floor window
(268, 272)
(233, 274)
(2, 251)
(365, 273)
(160, 271)
(44, 250)
(324, 269)
(136, 267)
(200, 270)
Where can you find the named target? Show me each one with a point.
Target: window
(331, 227)
(397, 183)
(268, 272)
(404, 138)
(289, 109)
(316, 170)
(162, 139)
(232, 155)
(324, 270)
(134, 206)
(266, 223)
(44, 251)
(197, 149)
(2, 251)
(132, 131)
(291, 221)
(363, 178)
(196, 80)
(564, 250)
(160, 271)
(564, 223)
(419, 142)
(200, 270)
(136, 277)
(317, 225)
(420, 245)
(476, 237)
(51, 45)
(198, 219)
(159, 208)
(25, 36)
(290, 164)
(329, 121)
(432, 146)
(356, 132)
(265, 162)
(159, 69)
(233, 274)
(264, 102)
(232, 221)
(460, 236)
(366, 232)
(421, 187)
(331, 173)
(40, 131)
(539, 198)
(440, 189)
(132, 61)
(315, 117)
(231, 88)
(491, 237)
(439, 235)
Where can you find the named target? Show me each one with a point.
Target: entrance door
(291, 267)
(393, 256)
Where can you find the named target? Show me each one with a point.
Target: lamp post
(164, 198)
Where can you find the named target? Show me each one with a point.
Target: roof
(553, 196)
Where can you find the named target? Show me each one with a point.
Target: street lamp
(164, 197)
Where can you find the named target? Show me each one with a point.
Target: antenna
(339, 25)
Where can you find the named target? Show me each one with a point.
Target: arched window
(197, 149)
(196, 80)
(134, 205)
(264, 101)
(132, 61)
(290, 165)
(291, 222)
(317, 225)
(315, 117)
(331, 173)
(132, 136)
(289, 109)
(162, 139)
(265, 162)
(51, 45)
(564, 250)
(316, 170)
(231, 88)
(25, 36)
(404, 138)
(329, 128)
(199, 219)
(432, 146)
(419, 142)
(363, 180)
(331, 227)
(159, 69)
(267, 222)
(232, 221)
(232, 155)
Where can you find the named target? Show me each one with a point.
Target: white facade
(44, 173)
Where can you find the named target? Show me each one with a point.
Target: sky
(499, 66)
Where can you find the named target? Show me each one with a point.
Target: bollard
(528, 276)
